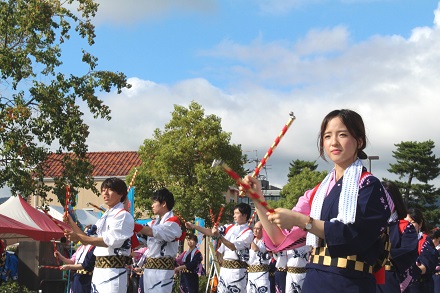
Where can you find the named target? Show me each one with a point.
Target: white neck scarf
(188, 252)
(165, 217)
(347, 198)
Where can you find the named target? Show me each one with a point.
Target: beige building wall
(85, 196)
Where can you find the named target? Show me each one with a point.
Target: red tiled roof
(105, 163)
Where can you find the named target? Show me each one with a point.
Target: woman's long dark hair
(418, 217)
(397, 198)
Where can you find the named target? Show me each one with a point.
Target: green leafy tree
(298, 165)
(297, 185)
(40, 99)
(417, 165)
(180, 158)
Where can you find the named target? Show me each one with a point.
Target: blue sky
(177, 44)
(252, 62)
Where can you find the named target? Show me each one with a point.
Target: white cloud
(132, 11)
(390, 80)
(283, 6)
(323, 41)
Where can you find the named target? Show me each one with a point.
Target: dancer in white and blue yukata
(235, 242)
(164, 234)
(280, 258)
(259, 259)
(113, 241)
(297, 260)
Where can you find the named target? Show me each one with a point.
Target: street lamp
(371, 158)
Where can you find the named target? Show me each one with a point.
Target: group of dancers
(348, 234)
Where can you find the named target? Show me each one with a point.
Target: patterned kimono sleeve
(361, 237)
(428, 256)
(167, 231)
(121, 228)
(244, 241)
(405, 254)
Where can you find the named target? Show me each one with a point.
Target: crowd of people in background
(350, 233)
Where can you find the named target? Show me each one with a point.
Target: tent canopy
(16, 208)
(10, 228)
(85, 217)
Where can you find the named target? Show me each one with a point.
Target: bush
(203, 280)
(14, 287)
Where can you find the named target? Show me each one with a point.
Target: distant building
(106, 164)
(270, 192)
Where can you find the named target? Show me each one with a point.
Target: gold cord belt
(84, 272)
(296, 270)
(160, 263)
(234, 264)
(284, 270)
(258, 268)
(112, 261)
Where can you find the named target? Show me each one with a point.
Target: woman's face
(191, 243)
(340, 146)
(416, 225)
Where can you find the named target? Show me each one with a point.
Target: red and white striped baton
(66, 207)
(49, 267)
(251, 220)
(132, 180)
(240, 182)
(272, 148)
(219, 217)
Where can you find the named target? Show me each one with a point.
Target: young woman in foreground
(344, 216)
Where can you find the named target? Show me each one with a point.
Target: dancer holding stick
(235, 242)
(343, 218)
(113, 246)
(164, 234)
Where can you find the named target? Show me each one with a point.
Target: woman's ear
(360, 143)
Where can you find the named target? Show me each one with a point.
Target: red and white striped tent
(10, 228)
(17, 209)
